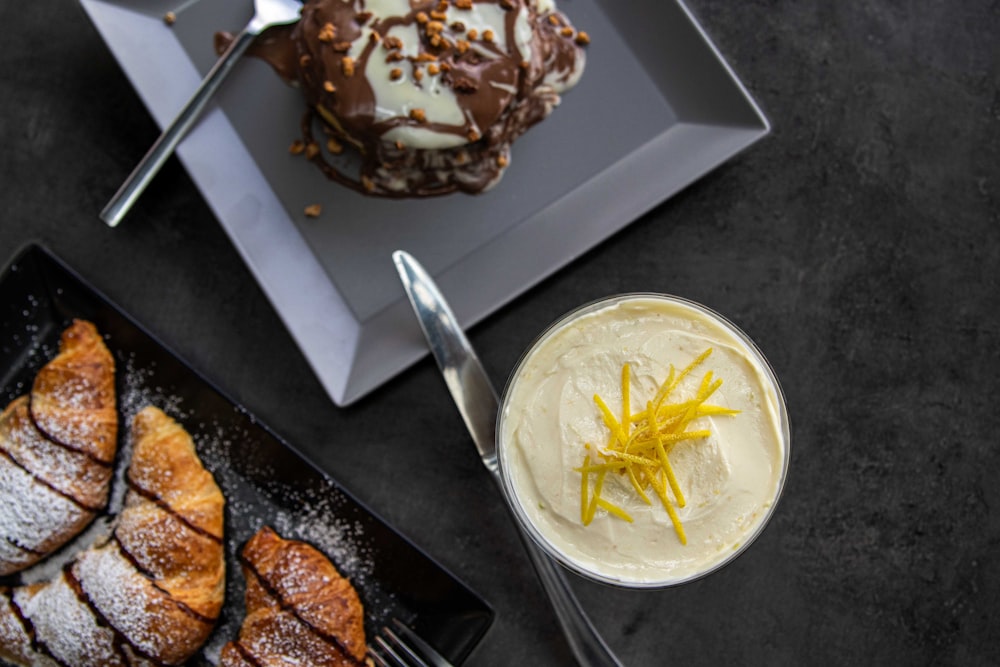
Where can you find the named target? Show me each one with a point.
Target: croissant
(149, 594)
(299, 609)
(57, 448)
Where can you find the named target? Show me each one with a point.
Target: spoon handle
(157, 155)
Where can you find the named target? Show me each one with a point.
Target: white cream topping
(730, 479)
(388, 7)
(545, 6)
(396, 98)
(422, 137)
(480, 18)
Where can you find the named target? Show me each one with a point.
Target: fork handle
(136, 183)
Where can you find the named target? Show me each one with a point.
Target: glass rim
(507, 486)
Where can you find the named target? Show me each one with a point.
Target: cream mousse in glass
(643, 441)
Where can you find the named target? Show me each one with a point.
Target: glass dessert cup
(542, 498)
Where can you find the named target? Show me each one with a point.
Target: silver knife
(476, 399)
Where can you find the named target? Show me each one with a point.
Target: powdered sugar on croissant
(300, 610)
(57, 447)
(151, 593)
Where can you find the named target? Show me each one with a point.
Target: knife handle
(589, 648)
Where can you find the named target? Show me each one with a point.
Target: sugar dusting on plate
(313, 519)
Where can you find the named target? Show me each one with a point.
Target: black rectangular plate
(265, 480)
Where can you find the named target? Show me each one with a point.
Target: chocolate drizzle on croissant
(299, 608)
(148, 595)
(57, 446)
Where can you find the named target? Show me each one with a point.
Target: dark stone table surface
(859, 244)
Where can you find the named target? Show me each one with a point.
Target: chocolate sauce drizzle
(127, 555)
(17, 545)
(120, 640)
(165, 506)
(273, 592)
(246, 654)
(56, 441)
(500, 96)
(38, 480)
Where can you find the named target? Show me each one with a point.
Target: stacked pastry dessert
(299, 609)
(57, 450)
(148, 595)
(430, 93)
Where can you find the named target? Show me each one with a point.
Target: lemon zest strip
(614, 509)
(626, 401)
(639, 444)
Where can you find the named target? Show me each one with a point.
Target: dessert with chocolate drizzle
(429, 93)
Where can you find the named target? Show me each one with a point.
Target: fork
(402, 647)
(267, 13)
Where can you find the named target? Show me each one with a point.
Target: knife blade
(464, 374)
(477, 402)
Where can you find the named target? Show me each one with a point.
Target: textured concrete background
(859, 245)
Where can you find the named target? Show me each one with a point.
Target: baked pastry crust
(148, 595)
(300, 610)
(57, 448)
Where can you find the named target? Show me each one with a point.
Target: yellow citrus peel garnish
(639, 444)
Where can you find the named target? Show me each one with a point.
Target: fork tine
(426, 650)
(394, 659)
(405, 649)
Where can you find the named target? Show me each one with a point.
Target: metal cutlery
(399, 646)
(477, 402)
(267, 13)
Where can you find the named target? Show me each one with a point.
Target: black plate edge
(36, 250)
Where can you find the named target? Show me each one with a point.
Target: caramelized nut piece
(313, 210)
(418, 115)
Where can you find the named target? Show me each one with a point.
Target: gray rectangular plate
(656, 109)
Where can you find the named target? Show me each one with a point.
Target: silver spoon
(267, 13)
